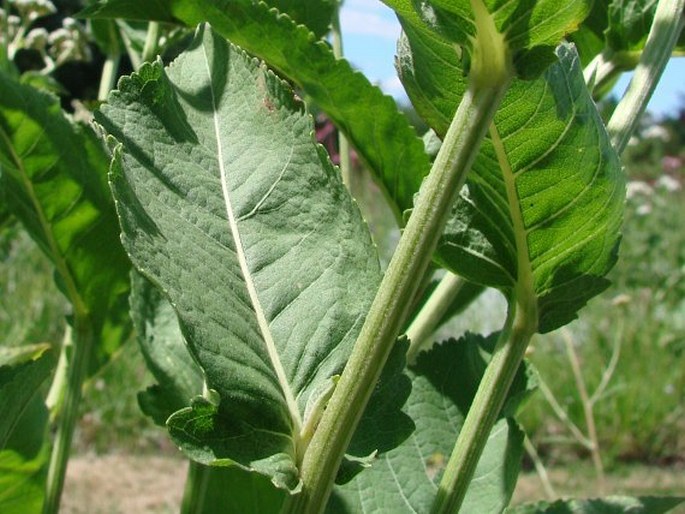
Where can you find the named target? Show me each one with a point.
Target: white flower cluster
(68, 43)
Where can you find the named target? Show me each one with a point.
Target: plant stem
(663, 35)
(195, 488)
(343, 143)
(539, 468)
(431, 313)
(55, 399)
(81, 346)
(151, 42)
(587, 409)
(111, 67)
(485, 409)
(396, 291)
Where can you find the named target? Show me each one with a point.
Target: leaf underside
(406, 479)
(228, 205)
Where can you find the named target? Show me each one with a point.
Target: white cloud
(393, 87)
(363, 17)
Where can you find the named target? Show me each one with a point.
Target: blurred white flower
(668, 183)
(644, 209)
(656, 132)
(638, 187)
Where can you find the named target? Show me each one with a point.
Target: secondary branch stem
(663, 35)
(78, 367)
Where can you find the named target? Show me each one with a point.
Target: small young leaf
(228, 204)
(609, 505)
(438, 403)
(53, 178)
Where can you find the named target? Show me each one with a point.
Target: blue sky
(370, 32)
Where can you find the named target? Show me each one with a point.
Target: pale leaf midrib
(525, 291)
(247, 276)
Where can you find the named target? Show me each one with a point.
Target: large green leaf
(531, 28)
(53, 178)
(545, 197)
(229, 206)
(380, 133)
(24, 462)
(20, 378)
(609, 505)
(405, 479)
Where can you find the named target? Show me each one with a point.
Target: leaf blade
(302, 270)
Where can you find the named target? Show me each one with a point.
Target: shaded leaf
(406, 478)
(609, 505)
(20, 379)
(53, 178)
(165, 351)
(24, 462)
(229, 206)
(380, 133)
(236, 491)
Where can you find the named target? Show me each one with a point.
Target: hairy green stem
(81, 347)
(663, 35)
(485, 408)
(432, 312)
(588, 412)
(55, 399)
(397, 289)
(343, 143)
(195, 489)
(151, 42)
(109, 76)
(111, 67)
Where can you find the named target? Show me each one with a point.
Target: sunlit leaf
(53, 178)
(546, 176)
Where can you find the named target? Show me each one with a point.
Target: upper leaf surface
(53, 177)
(530, 28)
(227, 203)
(406, 479)
(379, 132)
(545, 196)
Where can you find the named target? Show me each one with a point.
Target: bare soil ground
(135, 484)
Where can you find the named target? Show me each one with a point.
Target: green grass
(31, 308)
